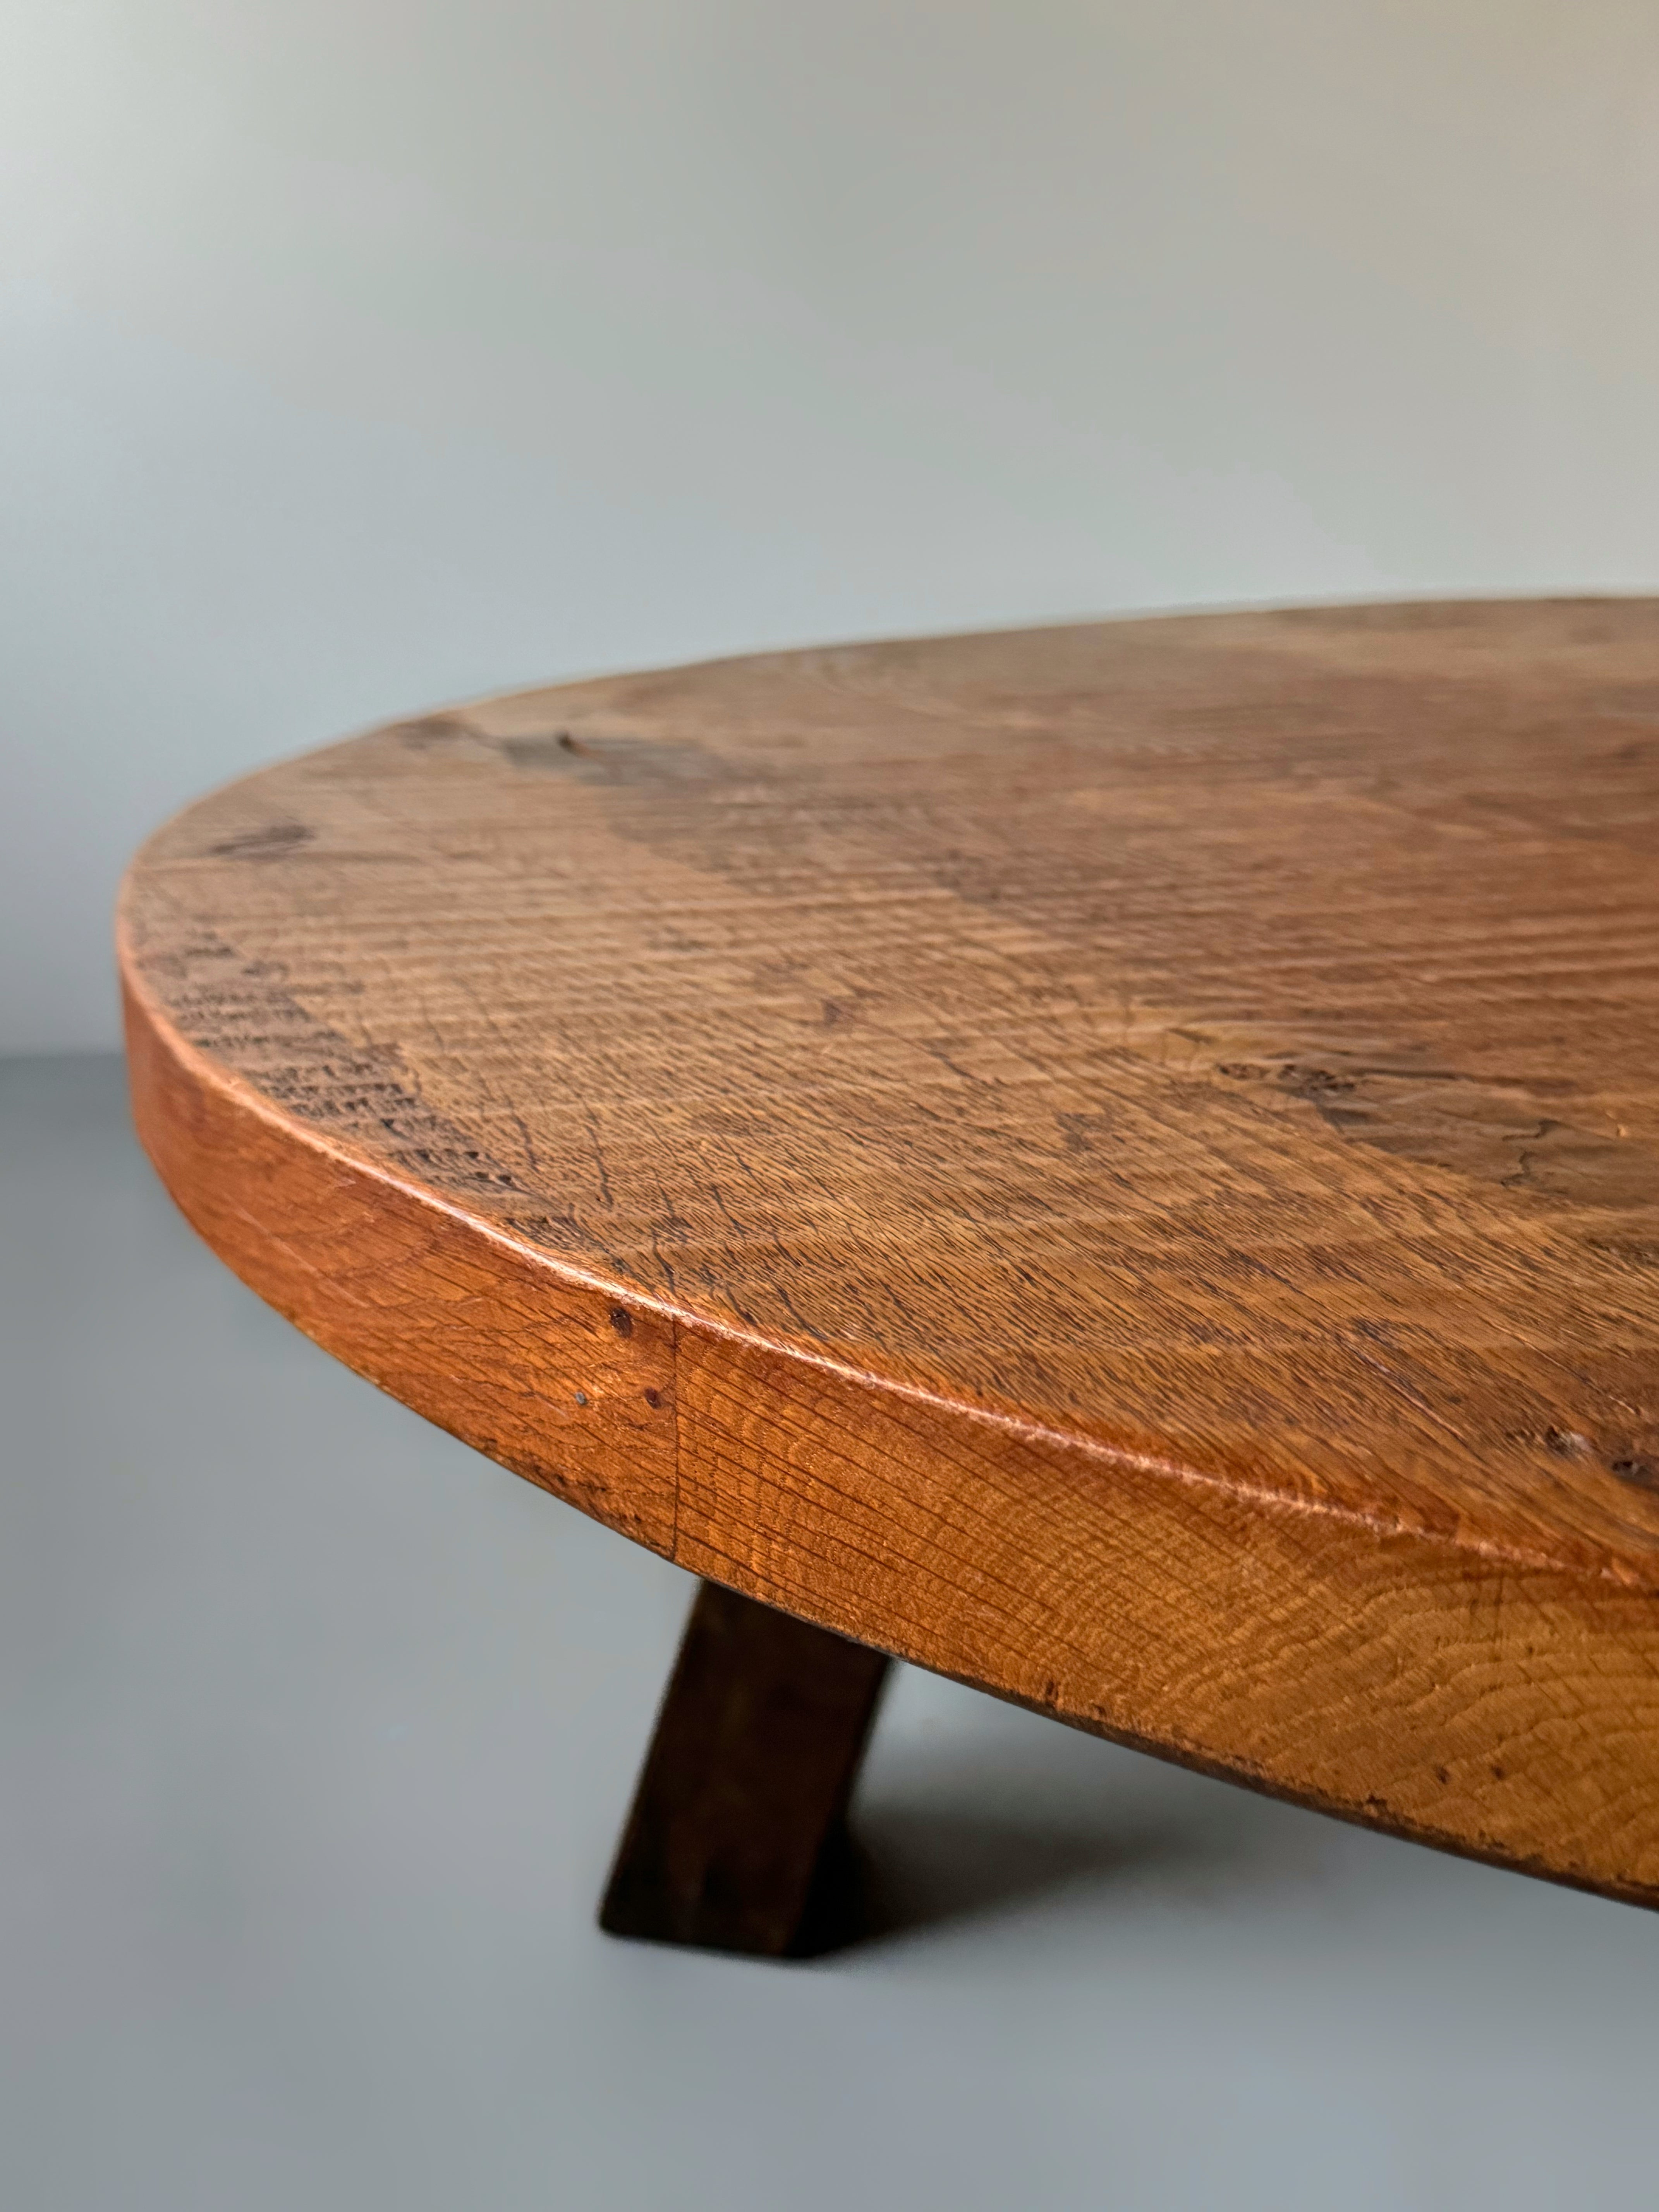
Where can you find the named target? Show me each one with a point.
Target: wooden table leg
(737, 1838)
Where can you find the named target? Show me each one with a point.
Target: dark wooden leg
(737, 1837)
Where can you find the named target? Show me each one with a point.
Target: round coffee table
(1120, 1163)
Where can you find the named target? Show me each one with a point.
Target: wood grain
(1119, 1162)
(737, 1837)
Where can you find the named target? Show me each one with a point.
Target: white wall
(359, 354)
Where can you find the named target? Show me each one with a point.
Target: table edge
(1293, 1647)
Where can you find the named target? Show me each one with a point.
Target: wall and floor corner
(352, 359)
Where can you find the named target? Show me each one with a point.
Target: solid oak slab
(737, 1837)
(1120, 1163)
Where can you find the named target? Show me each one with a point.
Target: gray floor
(315, 1730)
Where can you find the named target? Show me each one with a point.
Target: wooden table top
(1119, 1163)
